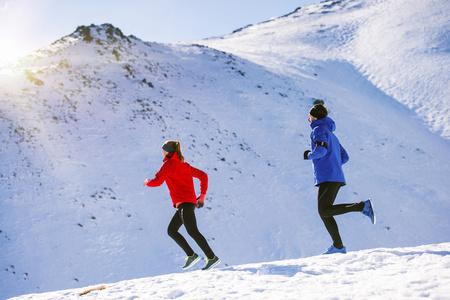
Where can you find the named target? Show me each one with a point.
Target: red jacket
(178, 176)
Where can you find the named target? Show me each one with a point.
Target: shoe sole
(192, 264)
(373, 212)
(213, 265)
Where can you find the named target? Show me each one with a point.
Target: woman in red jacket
(178, 176)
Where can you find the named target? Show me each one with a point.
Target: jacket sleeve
(344, 155)
(161, 176)
(200, 175)
(318, 135)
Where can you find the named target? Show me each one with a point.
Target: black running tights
(327, 195)
(185, 215)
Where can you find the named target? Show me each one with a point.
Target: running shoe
(191, 260)
(211, 263)
(333, 250)
(368, 211)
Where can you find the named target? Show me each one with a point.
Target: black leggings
(327, 194)
(185, 215)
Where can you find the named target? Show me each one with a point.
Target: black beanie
(319, 111)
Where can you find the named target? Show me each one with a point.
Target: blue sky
(27, 25)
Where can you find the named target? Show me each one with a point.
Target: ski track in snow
(399, 273)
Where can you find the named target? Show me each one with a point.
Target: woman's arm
(160, 177)
(200, 175)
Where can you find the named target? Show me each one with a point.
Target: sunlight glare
(9, 52)
(16, 21)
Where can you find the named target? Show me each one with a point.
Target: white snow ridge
(82, 122)
(399, 273)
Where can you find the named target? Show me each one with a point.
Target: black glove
(200, 203)
(305, 154)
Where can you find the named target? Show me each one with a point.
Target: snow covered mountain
(82, 122)
(401, 46)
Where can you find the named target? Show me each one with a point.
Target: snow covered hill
(82, 122)
(398, 273)
(401, 46)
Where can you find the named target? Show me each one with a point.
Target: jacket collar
(327, 122)
(168, 156)
(171, 155)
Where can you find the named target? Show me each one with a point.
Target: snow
(397, 273)
(82, 123)
(402, 47)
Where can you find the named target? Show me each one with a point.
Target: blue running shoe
(368, 211)
(333, 250)
(190, 261)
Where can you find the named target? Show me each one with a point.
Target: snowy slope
(401, 46)
(82, 123)
(398, 273)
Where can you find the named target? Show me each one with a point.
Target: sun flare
(16, 24)
(9, 51)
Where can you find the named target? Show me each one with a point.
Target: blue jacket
(327, 162)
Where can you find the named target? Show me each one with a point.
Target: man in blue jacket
(328, 156)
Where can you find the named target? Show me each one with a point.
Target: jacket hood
(327, 121)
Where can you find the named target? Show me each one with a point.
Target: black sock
(339, 246)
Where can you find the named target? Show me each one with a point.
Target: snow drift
(417, 272)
